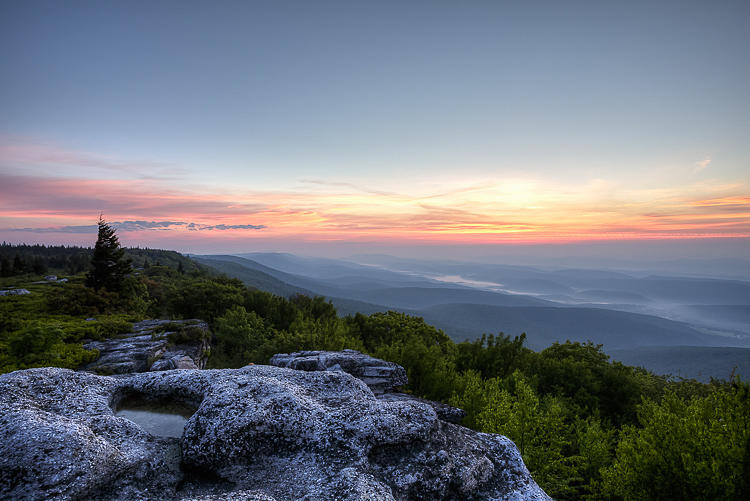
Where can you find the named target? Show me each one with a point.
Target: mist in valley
(683, 317)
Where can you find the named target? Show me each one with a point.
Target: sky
(328, 128)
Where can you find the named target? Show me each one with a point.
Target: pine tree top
(109, 267)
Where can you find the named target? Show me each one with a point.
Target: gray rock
(175, 362)
(444, 411)
(380, 376)
(15, 292)
(259, 433)
(148, 347)
(51, 279)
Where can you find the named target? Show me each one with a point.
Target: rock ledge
(380, 376)
(153, 345)
(259, 433)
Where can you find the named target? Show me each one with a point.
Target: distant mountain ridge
(464, 312)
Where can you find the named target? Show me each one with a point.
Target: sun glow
(489, 211)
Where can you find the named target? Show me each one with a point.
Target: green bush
(696, 448)
(41, 346)
(187, 334)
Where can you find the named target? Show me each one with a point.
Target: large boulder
(152, 345)
(259, 433)
(380, 376)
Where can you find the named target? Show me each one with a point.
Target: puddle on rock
(164, 418)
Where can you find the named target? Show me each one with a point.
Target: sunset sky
(306, 126)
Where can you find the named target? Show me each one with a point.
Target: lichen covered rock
(259, 433)
(381, 376)
(153, 345)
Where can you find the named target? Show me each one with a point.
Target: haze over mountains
(666, 323)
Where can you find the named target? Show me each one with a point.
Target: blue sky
(559, 107)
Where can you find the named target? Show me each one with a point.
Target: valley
(631, 314)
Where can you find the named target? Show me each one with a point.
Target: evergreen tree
(109, 267)
(18, 265)
(5, 269)
(38, 265)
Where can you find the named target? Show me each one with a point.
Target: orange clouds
(495, 212)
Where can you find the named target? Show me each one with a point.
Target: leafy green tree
(238, 332)
(317, 307)
(109, 266)
(279, 311)
(493, 356)
(537, 427)
(204, 298)
(472, 394)
(595, 449)
(686, 449)
(584, 377)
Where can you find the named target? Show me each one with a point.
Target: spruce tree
(5, 269)
(109, 266)
(18, 265)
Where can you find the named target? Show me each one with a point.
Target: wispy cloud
(350, 186)
(130, 226)
(498, 210)
(222, 227)
(24, 152)
(702, 164)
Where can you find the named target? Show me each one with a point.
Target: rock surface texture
(443, 411)
(153, 345)
(380, 376)
(259, 433)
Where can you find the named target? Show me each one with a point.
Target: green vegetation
(587, 427)
(695, 448)
(109, 266)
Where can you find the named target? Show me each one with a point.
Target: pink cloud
(149, 209)
(28, 152)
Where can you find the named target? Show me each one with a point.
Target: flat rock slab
(379, 375)
(259, 433)
(148, 348)
(444, 411)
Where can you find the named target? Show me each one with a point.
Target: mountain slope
(253, 278)
(545, 325)
(698, 362)
(425, 297)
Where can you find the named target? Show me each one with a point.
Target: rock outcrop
(153, 345)
(443, 411)
(380, 376)
(260, 432)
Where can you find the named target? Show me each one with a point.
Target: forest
(586, 426)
